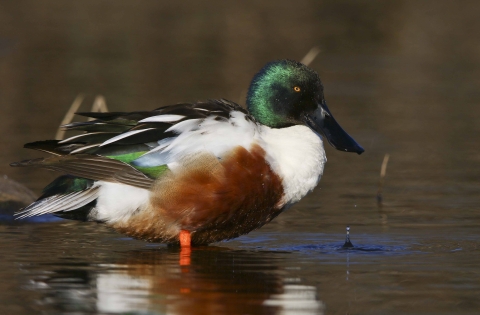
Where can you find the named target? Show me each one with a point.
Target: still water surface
(401, 77)
(70, 268)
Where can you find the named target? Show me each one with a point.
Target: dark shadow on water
(14, 196)
(9, 219)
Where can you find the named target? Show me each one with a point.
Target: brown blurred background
(402, 77)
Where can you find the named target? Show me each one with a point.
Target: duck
(195, 173)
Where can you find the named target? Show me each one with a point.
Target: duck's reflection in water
(217, 281)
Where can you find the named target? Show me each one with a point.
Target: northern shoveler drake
(195, 173)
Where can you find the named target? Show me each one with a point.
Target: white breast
(297, 155)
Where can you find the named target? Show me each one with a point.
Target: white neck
(297, 155)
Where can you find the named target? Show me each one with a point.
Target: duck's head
(285, 93)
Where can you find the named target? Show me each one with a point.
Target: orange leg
(185, 243)
(185, 238)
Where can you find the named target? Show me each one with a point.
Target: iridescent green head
(281, 91)
(285, 93)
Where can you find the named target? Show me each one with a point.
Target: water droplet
(347, 243)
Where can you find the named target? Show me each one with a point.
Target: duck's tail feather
(93, 167)
(67, 196)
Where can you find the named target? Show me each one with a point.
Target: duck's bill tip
(335, 135)
(359, 149)
(347, 145)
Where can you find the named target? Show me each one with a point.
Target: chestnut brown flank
(214, 199)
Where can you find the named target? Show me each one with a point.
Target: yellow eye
(296, 89)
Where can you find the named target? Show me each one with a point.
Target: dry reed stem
(99, 105)
(311, 55)
(383, 172)
(69, 116)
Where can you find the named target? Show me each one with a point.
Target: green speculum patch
(152, 172)
(127, 158)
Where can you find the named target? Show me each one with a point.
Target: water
(72, 268)
(400, 77)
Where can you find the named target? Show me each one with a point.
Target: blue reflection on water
(320, 243)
